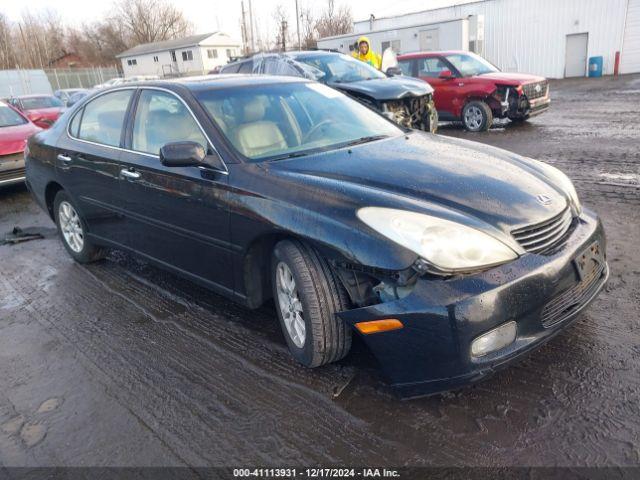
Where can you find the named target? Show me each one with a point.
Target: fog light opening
(377, 326)
(494, 340)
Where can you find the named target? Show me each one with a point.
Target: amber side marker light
(377, 326)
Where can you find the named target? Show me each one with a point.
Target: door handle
(64, 158)
(129, 174)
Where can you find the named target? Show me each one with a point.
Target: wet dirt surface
(119, 363)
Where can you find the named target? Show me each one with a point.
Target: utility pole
(298, 25)
(284, 35)
(253, 43)
(245, 40)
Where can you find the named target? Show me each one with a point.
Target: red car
(42, 110)
(470, 89)
(15, 129)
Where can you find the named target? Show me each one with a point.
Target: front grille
(562, 306)
(14, 157)
(11, 174)
(545, 237)
(530, 90)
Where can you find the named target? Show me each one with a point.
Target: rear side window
(103, 118)
(246, 67)
(407, 67)
(431, 67)
(162, 118)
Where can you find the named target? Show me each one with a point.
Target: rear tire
(308, 295)
(477, 116)
(72, 229)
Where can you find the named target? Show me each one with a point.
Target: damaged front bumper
(442, 317)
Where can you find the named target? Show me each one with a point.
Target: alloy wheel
(290, 304)
(71, 226)
(473, 118)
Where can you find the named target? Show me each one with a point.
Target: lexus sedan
(449, 258)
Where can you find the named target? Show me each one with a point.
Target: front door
(177, 216)
(445, 90)
(576, 55)
(88, 162)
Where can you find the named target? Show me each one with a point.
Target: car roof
(431, 54)
(218, 82)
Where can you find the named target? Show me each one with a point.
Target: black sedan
(449, 258)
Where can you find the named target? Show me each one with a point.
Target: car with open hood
(448, 258)
(407, 101)
(470, 89)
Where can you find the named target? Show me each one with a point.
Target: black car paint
(216, 227)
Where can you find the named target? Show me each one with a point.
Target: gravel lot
(119, 363)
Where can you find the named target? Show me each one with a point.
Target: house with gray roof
(195, 54)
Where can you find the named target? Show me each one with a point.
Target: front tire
(308, 295)
(72, 230)
(477, 116)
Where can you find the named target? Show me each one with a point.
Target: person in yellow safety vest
(366, 55)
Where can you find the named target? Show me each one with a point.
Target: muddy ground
(119, 363)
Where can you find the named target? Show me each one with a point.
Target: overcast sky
(211, 15)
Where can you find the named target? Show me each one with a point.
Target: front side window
(31, 103)
(9, 117)
(469, 64)
(103, 118)
(431, 67)
(162, 118)
(187, 55)
(279, 120)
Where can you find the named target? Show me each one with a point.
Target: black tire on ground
(477, 116)
(89, 252)
(321, 295)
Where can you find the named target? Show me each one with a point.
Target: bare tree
(7, 52)
(334, 21)
(148, 21)
(308, 32)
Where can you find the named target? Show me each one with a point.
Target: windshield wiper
(285, 156)
(368, 139)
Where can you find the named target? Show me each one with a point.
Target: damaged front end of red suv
(520, 102)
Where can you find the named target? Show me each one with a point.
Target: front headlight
(563, 182)
(447, 245)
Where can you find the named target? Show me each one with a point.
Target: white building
(196, 54)
(553, 38)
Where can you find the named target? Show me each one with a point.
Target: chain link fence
(26, 82)
(79, 77)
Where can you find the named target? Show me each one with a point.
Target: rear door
(176, 216)
(87, 162)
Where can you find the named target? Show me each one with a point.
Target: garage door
(630, 59)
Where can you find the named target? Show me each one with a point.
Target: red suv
(470, 89)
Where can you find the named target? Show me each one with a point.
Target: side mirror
(182, 154)
(394, 71)
(445, 74)
(189, 154)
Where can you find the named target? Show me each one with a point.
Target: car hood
(435, 174)
(390, 88)
(512, 78)
(49, 113)
(12, 139)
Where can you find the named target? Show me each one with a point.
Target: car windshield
(469, 64)
(31, 103)
(340, 68)
(292, 119)
(9, 117)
